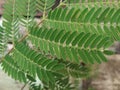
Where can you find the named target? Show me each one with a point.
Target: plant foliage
(69, 32)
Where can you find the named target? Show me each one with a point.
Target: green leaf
(58, 67)
(107, 52)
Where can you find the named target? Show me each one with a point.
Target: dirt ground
(6, 83)
(108, 75)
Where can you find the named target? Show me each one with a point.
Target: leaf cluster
(65, 42)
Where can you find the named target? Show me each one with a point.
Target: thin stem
(13, 47)
(44, 12)
(40, 22)
(24, 86)
(23, 38)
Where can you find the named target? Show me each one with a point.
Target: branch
(24, 86)
(23, 38)
(13, 47)
(40, 22)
